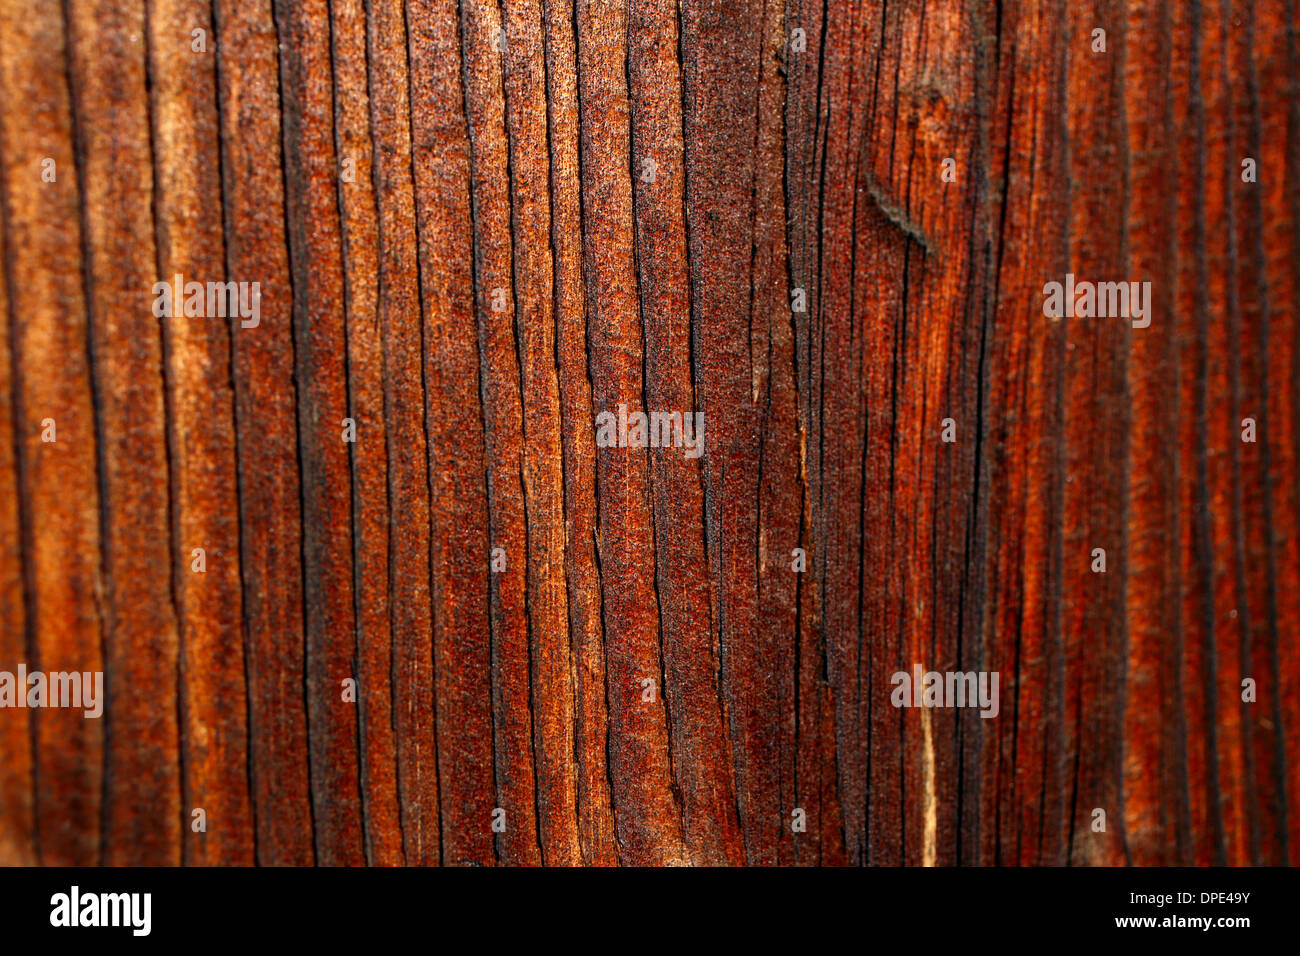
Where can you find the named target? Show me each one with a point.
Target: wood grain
(475, 635)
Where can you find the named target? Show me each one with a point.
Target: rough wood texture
(478, 225)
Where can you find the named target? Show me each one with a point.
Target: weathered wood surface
(461, 248)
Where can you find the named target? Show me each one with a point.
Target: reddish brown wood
(57, 481)
(477, 226)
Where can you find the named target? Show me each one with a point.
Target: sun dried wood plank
(107, 63)
(320, 349)
(495, 308)
(550, 661)
(647, 810)
(189, 223)
(17, 791)
(266, 425)
(586, 623)
(454, 409)
(701, 626)
(59, 493)
(482, 228)
(360, 222)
